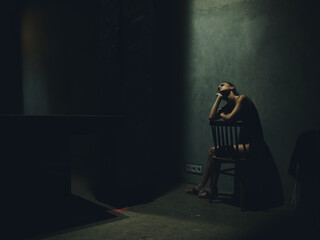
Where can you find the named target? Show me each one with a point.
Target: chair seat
(229, 159)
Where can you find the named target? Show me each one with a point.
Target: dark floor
(177, 215)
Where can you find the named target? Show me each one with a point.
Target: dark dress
(252, 129)
(261, 178)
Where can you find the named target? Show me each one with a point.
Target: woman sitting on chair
(238, 107)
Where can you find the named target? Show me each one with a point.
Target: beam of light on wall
(34, 55)
(262, 47)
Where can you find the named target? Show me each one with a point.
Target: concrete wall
(267, 49)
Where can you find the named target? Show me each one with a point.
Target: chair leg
(241, 195)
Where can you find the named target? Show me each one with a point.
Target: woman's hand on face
(219, 95)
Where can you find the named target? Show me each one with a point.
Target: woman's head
(226, 88)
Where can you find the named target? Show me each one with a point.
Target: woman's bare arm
(214, 110)
(235, 110)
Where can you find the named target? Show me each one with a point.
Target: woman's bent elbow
(214, 117)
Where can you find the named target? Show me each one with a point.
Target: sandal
(204, 194)
(195, 190)
(208, 194)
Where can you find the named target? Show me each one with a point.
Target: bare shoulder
(242, 98)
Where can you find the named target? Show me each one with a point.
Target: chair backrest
(226, 138)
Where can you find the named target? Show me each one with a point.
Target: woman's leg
(243, 151)
(206, 174)
(210, 168)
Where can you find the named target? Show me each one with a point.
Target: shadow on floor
(185, 213)
(72, 214)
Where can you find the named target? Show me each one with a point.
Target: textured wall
(263, 47)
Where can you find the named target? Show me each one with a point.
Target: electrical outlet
(199, 169)
(193, 168)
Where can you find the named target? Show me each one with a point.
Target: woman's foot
(195, 190)
(211, 194)
(204, 193)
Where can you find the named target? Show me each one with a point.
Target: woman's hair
(234, 89)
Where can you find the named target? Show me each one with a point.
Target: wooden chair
(226, 142)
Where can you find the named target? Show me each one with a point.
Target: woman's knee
(211, 152)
